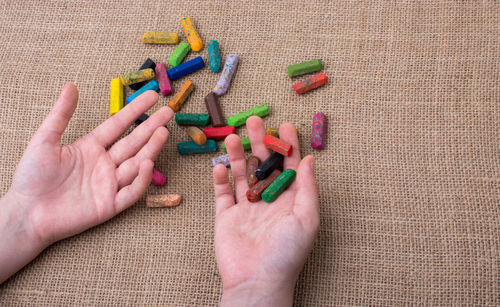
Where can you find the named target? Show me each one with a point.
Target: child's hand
(59, 191)
(261, 247)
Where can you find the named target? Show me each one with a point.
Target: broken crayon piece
(179, 54)
(275, 161)
(222, 159)
(254, 194)
(241, 118)
(227, 74)
(252, 164)
(219, 133)
(310, 83)
(245, 142)
(165, 200)
(214, 56)
(186, 68)
(147, 64)
(213, 108)
(160, 38)
(192, 119)
(192, 35)
(279, 185)
(116, 96)
(318, 137)
(273, 132)
(192, 148)
(137, 76)
(278, 145)
(304, 68)
(150, 86)
(158, 179)
(197, 135)
(163, 80)
(181, 96)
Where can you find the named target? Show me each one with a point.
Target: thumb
(56, 122)
(306, 205)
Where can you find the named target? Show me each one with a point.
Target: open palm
(68, 189)
(264, 243)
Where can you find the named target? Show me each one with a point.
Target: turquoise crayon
(151, 85)
(185, 148)
(214, 55)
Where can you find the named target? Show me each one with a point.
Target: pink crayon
(158, 178)
(318, 131)
(163, 80)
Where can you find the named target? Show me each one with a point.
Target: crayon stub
(279, 185)
(304, 68)
(254, 194)
(318, 137)
(186, 68)
(158, 179)
(163, 80)
(273, 132)
(252, 164)
(181, 96)
(227, 74)
(141, 119)
(165, 200)
(151, 85)
(160, 38)
(179, 54)
(275, 161)
(116, 97)
(278, 145)
(241, 118)
(192, 148)
(213, 108)
(147, 64)
(214, 56)
(192, 35)
(219, 133)
(310, 83)
(192, 119)
(245, 142)
(137, 76)
(222, 159)
(197, 135)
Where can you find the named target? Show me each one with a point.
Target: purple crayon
(227, 74)
(223, 159)
(163, 80)
(318, 131)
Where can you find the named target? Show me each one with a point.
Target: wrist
(258, 293)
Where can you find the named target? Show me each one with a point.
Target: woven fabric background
(409, 181)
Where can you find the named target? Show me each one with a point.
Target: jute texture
(409, 182)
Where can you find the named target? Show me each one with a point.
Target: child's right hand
(261, 247)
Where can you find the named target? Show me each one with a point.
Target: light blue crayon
(151, 85)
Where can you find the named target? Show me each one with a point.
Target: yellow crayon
(137, 76)
(193, 37)
(160, 38)
(179, 97)
(116, 97)
(275, 133)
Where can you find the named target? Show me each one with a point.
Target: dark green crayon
(192, 119)
(279, 185)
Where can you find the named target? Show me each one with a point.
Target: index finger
(109, 131)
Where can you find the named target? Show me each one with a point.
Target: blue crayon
(151, 85)
(214, 55)
(186, 68)
(191, 147)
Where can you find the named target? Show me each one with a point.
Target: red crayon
(278, 145)
(310, 83)
(219, 133)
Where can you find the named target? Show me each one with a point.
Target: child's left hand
(61, 190)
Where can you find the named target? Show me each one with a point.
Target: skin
(260, 247)
(61, 190)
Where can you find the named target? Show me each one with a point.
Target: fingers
(129, 169)
(132, 143)
(257, 133)
(306, 205)
(223, 193)
(107, 132)
(238, 165)
(56, 122)
(288, 133)
(131, 193)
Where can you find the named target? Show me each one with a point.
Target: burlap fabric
(409, 182)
